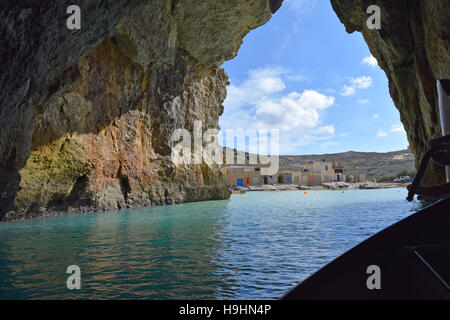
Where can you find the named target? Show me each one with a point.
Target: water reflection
(254, 246)
(143, 253)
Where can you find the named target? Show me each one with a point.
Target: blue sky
(303, 74)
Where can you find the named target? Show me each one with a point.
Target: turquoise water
(253, 246)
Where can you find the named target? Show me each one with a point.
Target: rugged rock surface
(413, 48)
(86, 116)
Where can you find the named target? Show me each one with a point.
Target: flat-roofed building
(243, 176)
(290, 177)
(362, 177)
(318, 172)
(323, 169)
(338, 170)
(312, 180)
(296, 177)
(269, 179)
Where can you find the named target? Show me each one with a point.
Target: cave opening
(304, 75)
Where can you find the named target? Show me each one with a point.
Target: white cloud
(260, 83)
(269, 85)
(364, 101)
(397, 128)
(265, 81)
(348, 91)
(376, 116)
(295, 110)
(362, 82)
(371, 61)
(327, 129)
(356, 83)
(381, 134)
(261, 102)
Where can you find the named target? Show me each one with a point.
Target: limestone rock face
(87, 116)
(413, 48)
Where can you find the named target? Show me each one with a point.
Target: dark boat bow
(413, 257)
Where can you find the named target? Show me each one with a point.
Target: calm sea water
(253, 246)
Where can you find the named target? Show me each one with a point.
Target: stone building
(338, 170)
(243, 176)
(323, 169)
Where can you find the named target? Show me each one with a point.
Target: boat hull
(413, 257)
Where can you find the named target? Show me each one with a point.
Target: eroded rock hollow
(87, 115)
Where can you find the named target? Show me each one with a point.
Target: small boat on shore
(337, 186)
(367, 186)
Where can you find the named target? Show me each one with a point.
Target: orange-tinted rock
(88, 115)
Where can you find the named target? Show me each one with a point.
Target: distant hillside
(372, 164)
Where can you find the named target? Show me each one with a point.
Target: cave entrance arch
(305, 53)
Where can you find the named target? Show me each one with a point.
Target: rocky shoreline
(257, 188)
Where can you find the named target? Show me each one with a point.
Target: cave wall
(413, 48)
(86, 115)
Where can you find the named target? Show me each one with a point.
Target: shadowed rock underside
(87, 115)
